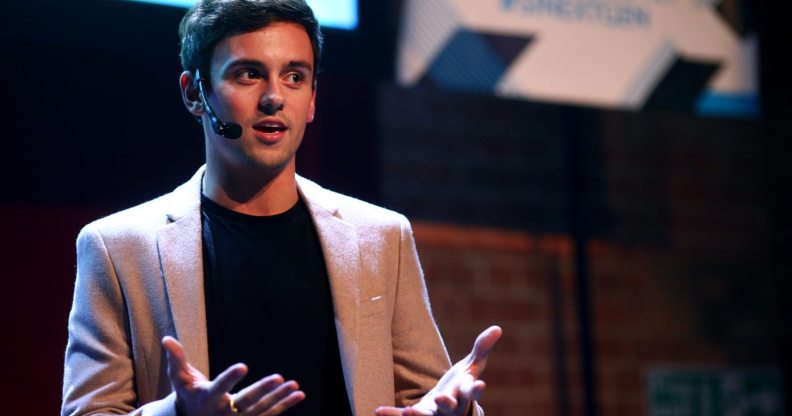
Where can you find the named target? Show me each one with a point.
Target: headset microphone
(228, 130)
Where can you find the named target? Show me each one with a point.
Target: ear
(312, 107)
(190, 96)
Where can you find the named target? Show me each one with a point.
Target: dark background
(93, 122)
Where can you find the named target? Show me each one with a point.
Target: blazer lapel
(339, 242)
(181, 259)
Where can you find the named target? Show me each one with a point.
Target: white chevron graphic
(607, 53)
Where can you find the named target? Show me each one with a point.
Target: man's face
(262, 80)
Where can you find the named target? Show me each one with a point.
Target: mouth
(270, 131)
(270, 127)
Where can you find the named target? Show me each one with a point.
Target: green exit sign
(715, 392)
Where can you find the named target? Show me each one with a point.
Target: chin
(271, 165)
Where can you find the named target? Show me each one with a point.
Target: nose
(271, 100)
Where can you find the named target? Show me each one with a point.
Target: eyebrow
(300, 65)
(241, 63)
(258, 64)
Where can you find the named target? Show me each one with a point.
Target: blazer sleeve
(419, 354)
(99, 370)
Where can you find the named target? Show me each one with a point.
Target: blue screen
(338, 14)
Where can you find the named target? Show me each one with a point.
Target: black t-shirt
(268, 303)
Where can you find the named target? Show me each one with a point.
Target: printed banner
(691, 391)
(691, 55)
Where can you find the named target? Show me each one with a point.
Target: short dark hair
(210, 21)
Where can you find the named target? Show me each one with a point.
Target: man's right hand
(196, 395)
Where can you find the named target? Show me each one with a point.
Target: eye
(295, 78)
(248, 74)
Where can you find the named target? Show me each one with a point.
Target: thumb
(178, 368)
(483, 346)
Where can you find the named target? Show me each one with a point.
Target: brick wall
(646, 312)
(478, 277)
(676, 222)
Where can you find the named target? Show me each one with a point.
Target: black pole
(560, 366)
(578, 210)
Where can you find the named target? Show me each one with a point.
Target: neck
(252, 193)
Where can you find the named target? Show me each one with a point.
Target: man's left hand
(458, 388)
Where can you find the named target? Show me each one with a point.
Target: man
(249, 262)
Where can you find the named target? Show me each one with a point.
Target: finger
(224, 382)
(253, 393)
(446, 404)
(396, 411)
(387, 411)
(286, 403)
(472, 391)
(483, 346)
(271, 399)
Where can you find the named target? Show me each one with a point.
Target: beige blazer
(140, 277)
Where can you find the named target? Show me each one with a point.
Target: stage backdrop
(694, 55)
